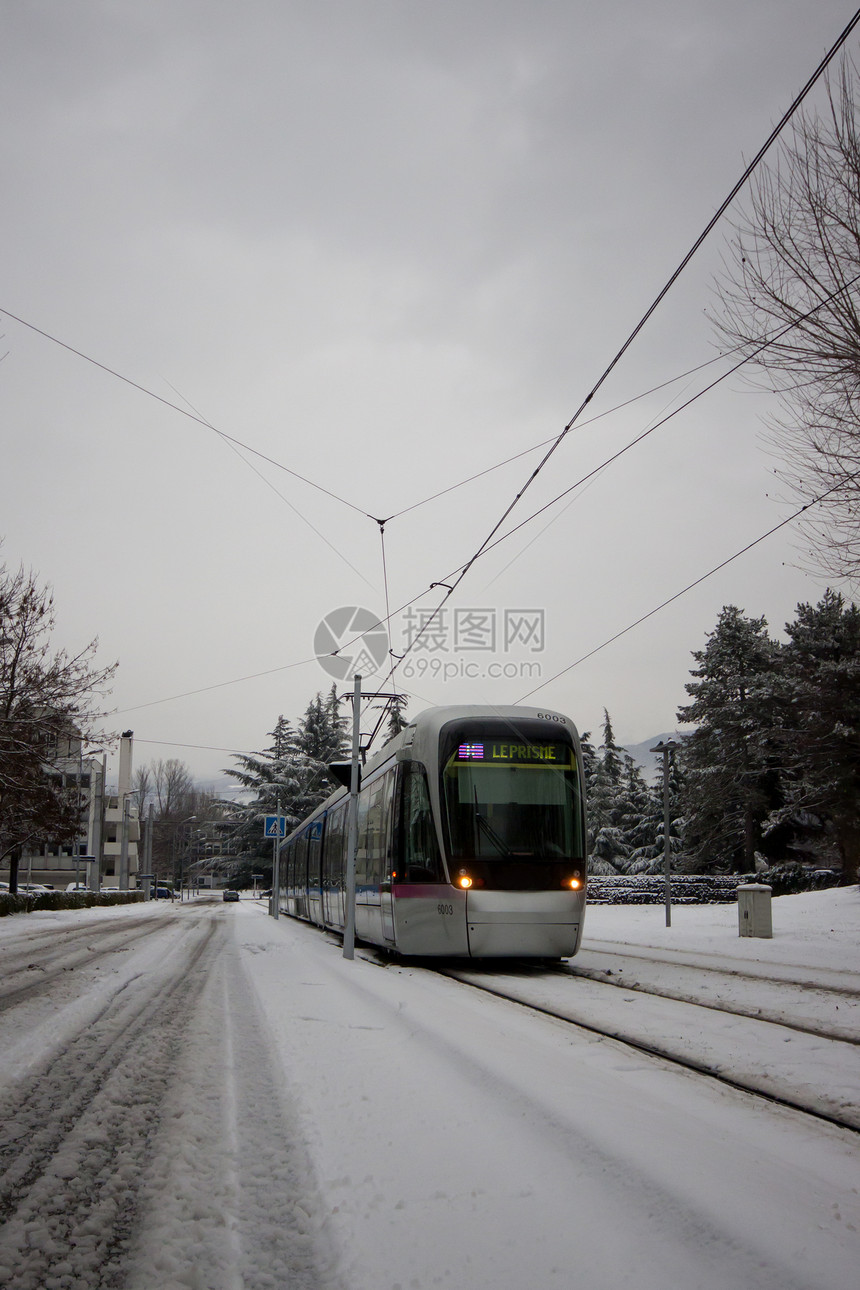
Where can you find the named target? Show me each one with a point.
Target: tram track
(754, 1013)
(699, 962)
(813, 1103)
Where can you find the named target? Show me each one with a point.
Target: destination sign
(504, 753)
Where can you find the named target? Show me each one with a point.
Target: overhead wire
(724, 205)
(386, 620)
(235, 449)
(675, 411)
(618, 407)
(487, 544)
(691, 585)
(183, 411)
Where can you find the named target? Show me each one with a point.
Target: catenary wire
(233, 448)
(457, 573)
(183, 411)
(619, 407)
(774, 134)
(442, 583)
(681, 408)
(463, 569)
(691, 585)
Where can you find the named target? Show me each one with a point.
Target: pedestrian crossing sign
(276, 826)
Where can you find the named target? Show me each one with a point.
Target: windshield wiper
(491, 833)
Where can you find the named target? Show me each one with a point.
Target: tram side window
(420, 860)
(334, 846)
(361, 859)
(374, 841)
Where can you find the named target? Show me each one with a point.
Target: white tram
(471, 840)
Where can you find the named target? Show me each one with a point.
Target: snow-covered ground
(205, 1097)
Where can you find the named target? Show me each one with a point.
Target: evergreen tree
(397, 719)
(646, 836)
(607, 808)
(732, 760)
(282, 778)
(322, 729)
(822, 663)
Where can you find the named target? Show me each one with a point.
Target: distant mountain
(651, 764)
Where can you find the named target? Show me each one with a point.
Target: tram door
(315, 833)
(334, 850)
(387, 856)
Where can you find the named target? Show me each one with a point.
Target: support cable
(690, 586)
(183, 411)
(774, 134)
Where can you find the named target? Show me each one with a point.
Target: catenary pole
(666, 747)
(352, 835)
(275, 901)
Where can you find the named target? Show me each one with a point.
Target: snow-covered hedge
(66, 900)
(703, 889)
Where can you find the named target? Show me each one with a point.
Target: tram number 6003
(552, 716)
(444, 909)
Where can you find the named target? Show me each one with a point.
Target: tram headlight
(463, 880)
(575, 883)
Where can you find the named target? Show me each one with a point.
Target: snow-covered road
(207, 1098)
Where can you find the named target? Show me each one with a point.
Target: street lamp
(179, 826)
(666, 748)
(123, 847)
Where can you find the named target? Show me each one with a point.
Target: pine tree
(284, 779)
(732, 760)
(822, 663)
(647, 835)
(397, 719)
(607, 807)
(322, 729)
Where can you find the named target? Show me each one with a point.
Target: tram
(471, 840)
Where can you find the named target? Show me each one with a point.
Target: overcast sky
(386, 245)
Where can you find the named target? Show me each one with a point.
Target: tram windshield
(512, 801)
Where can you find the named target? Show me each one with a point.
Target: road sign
(276, 826)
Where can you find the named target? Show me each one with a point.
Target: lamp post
(123, 848)
(179, 826)
(666, 748)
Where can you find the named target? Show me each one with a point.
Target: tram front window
(512, 802)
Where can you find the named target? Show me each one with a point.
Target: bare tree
(142, 785)
(794, 276)
(172, 787)
(48, 710)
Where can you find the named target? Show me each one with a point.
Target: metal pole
(275, 903)
(147, 853)
(666, 747)
(96, 848)
(666, 847)
(123, 846)
(352, 837)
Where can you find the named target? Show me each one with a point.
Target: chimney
(125, 749)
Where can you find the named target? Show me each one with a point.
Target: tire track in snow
(77, 1137)
(227, 1193)
(118, 940)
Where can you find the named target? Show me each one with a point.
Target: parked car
(162, 893)
(77, 886)
(230, 895)
(33, 889)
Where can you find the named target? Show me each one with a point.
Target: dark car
(230, 895)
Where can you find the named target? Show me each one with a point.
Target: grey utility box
(754, 910)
